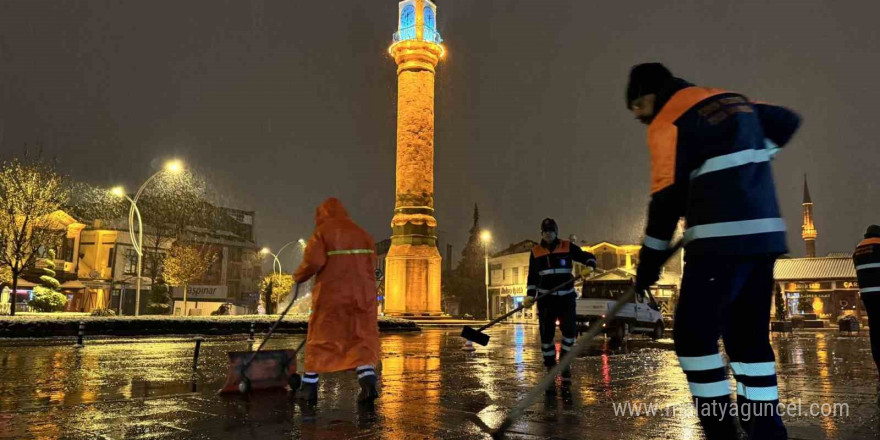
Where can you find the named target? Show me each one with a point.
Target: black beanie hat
(873, 231)
(645, 79)
(548, 224)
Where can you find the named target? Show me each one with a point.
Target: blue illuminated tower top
(417, 21)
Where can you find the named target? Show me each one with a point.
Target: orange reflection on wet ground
(141, 388)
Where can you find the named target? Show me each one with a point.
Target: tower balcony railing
(428, 35)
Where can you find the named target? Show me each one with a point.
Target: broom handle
(506, 315)
(566, 360)
(272, 330)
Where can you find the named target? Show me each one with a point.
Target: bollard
(251, 338)
(196, 353)
(82, 331)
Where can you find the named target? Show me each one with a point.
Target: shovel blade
(475, 336)
(269, 369)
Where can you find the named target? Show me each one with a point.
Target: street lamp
(172, 166)
(276, 265)
(135, 243)
(486, 237)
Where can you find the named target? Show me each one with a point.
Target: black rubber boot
(368, 391)
(566, 376)
(308, 392)
(551, 389)
(566, 383)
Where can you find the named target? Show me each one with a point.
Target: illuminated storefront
(826, 286)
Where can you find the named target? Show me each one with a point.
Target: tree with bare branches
(31, 191)
(173, 208)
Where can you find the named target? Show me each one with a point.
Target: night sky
(280, 104)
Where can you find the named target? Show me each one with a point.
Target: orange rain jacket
(343, 328)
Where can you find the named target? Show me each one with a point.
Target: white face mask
(548, 236)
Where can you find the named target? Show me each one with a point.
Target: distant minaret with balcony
(809, 231)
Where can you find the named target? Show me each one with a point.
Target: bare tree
(173, 208)
(187, 264)
(31, 191)
(89, 202)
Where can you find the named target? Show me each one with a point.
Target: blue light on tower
(410, 27)
(430, 21)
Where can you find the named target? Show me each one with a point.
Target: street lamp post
(173, 166)
(486, 237)
(276, 264)
(136, 242)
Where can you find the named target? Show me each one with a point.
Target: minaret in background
(809, 231)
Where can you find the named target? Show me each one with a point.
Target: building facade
(108, 267)
(508, 277)
(825, 287)
(66, 262)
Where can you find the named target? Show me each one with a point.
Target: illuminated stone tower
(808, 232)
(413, 264)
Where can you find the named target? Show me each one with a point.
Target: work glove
(528, 302)
(586, 271)
(650, 263)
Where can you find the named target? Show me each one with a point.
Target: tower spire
(807, 198)
(808, 231)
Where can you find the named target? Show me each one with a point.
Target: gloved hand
(650, 263)
(586, 271)
(528, 302)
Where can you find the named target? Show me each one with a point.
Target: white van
(639, 316)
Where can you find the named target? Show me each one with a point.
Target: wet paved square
(143, 389)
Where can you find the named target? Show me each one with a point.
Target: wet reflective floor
(143, 388)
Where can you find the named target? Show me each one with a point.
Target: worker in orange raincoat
(343, 327)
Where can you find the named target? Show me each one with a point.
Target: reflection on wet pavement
(144, 388)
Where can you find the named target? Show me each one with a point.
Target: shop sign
(201, 292)
(516, 290)
(814, 286)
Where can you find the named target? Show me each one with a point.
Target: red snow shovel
(477, 336)
(259, 370)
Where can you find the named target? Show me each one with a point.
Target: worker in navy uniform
(710, 159)
(867, 262)
(550, 266)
